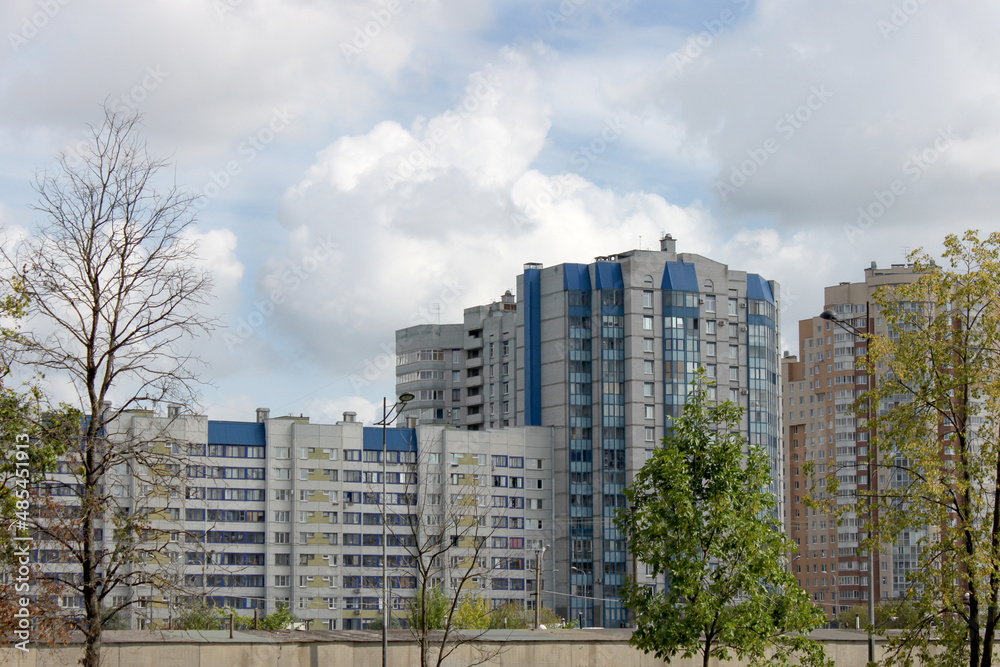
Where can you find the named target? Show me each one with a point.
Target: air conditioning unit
(357, 590)
(743, 327)
(743, 304)
(357, 612)
(701, 299)
(744, 391)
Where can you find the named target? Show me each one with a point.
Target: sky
(367, 165)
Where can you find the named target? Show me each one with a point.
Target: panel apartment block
(461, 374)
(284, 511)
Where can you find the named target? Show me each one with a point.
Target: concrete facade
(281, 511)
(461, 374)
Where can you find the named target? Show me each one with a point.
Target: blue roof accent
(236, 433)
(396, 439)
(679, 276)
(609, 275)
(576, 277)
(758, 288)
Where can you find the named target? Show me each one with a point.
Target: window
(647, 298)
(648, 389)
(650, 411)
(734, 351)
(710, 326)
(282, 517)
(710, 370)
(732, 307)
(709, 303)
(281, 538)
(282, 494)
(647, 367)
(534, 503)
(515, 462)
(281, 580)
(709, 349)
(647, 322)
(282, 473)
(734, 373)
(282, 559)
(650, 434)
(282, 453)
(647, 345)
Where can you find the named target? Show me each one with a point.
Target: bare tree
(113, 289)
(447, 540)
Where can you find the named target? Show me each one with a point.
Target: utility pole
(538, 584)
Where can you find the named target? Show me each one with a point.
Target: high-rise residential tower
(605, 354)
(822, 431)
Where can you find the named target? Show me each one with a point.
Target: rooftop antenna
(640, 241)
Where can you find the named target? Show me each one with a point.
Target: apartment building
(285, 511)
(461, 374)
(604, 353)
(821, 429)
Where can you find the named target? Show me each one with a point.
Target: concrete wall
(566, 648)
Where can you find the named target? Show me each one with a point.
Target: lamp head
(829, 315)
(406, 397)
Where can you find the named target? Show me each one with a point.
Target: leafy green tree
(936, 430)
(429, 608)
(896, 614)
(279, 619)
(473, 613)
(197, 615)
(701, 516)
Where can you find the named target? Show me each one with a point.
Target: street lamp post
(872, 472)
(538, 583)
(387, 412)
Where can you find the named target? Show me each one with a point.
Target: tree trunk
(91, 600)
(92, 655)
